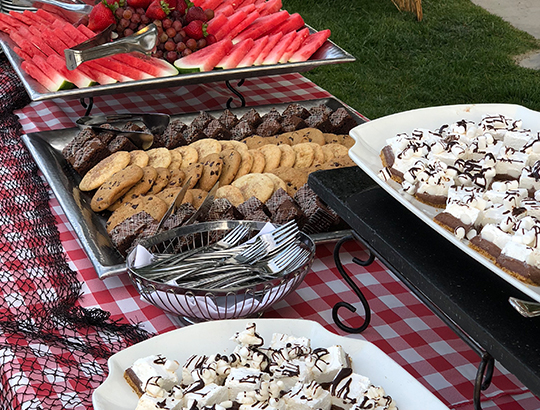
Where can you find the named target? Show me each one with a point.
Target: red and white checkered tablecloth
(402, 326)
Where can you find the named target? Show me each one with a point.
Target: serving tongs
(104, 45)
(156, 123)
(75, 12)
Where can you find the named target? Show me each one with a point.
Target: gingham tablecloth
(401, 325)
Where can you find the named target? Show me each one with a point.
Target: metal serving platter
(46, 149)
(329, 53)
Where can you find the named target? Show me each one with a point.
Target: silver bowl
(196, 305)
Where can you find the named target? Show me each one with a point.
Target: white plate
(371, 137)
(213, 337)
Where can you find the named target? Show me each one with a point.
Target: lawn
(458, 53)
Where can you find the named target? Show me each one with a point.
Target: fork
(525, 308)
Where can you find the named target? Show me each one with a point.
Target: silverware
(157, 123)
(76, 12)
(144, 40)
(203, 209)
(524, 307)
(175, 204)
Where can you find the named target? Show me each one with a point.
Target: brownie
(106, 136)
(201, 121)
(307, 199)
(321, 108)
(121, 143)
(82, 137)
(192, 134)
(319, 218)
(222, 209)
(342, 122)
(253, 209)
(273, 114)
(228, 119)
(216, 130)
(286, 212)
(131, 126)
(123, 234)
(173, 136)
(268, 128)
(293, 123)
(252, 117)
(297, 110)
(242, 130)
(321, 121)
(89, 155)
(182, 214)
(277, 198)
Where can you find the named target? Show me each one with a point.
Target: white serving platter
(371, 137)
(213, 337)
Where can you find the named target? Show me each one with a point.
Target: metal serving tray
(329, 53)
(46, 148)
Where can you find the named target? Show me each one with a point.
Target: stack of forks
(231, 262)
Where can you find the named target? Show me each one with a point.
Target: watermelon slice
(210, 4)
(310, 45)
(45, 15)
(252, 54)
(216, 23)
(197, 2)
(262, 26)
(236, 54)
(277, 51)
(270, 7)
(59, 82)
(8, 20)
(155, 67)
(293, 23)
(231, 23)
(226, 11)
(204, 59)
(86, 31)
(26, 45)
(21, 53)
(251, 17)
(36, 18)
(36, 37)
(295, 45)
(272, 41)
(22, 18)
(76, 76)
(248, 8)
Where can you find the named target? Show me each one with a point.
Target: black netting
(53, 353)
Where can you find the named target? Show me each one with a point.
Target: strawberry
(158, 10)
(196, 29)
(139, 4)
(100, 17)
(181, 7)
(195, 13)
(114, 4)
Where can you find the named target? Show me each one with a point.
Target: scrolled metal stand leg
(88, 106)
(353, 286)
(235, 92)
(483, 378)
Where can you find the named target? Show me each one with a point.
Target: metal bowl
(202, 304)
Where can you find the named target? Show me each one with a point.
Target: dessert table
(59, 322)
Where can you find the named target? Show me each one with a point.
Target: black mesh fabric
(53, 353)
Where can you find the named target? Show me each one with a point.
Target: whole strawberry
(100, 17)
(139, 4)
(158, 10)
(181, 7)
(196, 30)
(195, 13)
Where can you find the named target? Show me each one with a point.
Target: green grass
(457, 54)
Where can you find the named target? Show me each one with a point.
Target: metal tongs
(104, 44)
(75, 12)
(156, 123)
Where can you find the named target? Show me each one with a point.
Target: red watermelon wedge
(76, 76)
(10, 21)
(293, 23)
(277, 52)
(154, 67)
(46, 15)
(21, 53)
(36, 18)
(22, 18)
(310, 45)
(237, 53)
(225, 10)
(248, 8)
(251, 17)
(295, 45)
(252, 54)
(270, 7)
(61, 83)
(216, 23)
(262, 26)
(210, 4)
(204, 59)
(272, 41)
(233, 20)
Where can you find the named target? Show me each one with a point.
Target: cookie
(212, 165)
(239, 146)
(177, 178)
(140, 188)
(232, 193)
(189, 155)
(288, 156)
(255, 141)
(304, 155)
(245, 165)
(138, 157)
(280, 139)
(151, 204)
(116, 186)
(308, 135)
(176, 159)
(333, 150)
(193, 173)
(162, 180)
(168, 195)
(259, 161)
(345, 140)
(231, 164)
(318, 154)
(226, 144)
(159, 157)
(339, 162)
(104, 169)
(278, 182)
(206, 146)
(258, 185)
(272, 156)
(294, 178)
(198, 196)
